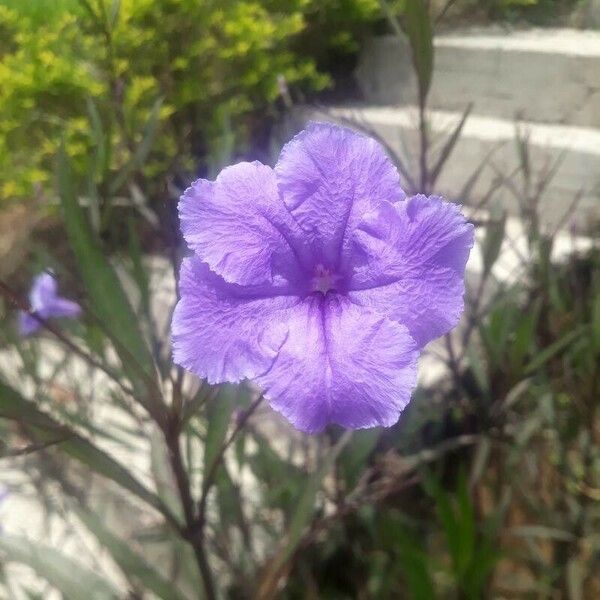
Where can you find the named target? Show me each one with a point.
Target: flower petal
(239, 225)
(43, 291)
(415, 254)
(61, 307)
(225, 332)
(28, 324)
(329, 177)
(341, 364)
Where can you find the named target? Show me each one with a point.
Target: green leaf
(192, 406)
(352, 462)
(524, 336)
(420, 36)
(495, 332)
(480, 460)
(130, 562)
(223, 148)
(515, 394)
(106, 294)
(415, 568)
(231, 510)
(71, 578)
(300, 519)
(115, 10)
(542, 532)
(448, 147)
(219, 413)
(464, 195)
(522, 142)
(139, 273)
(447, 518)
(494, 236)
(88, 7)
(553, 350)
(97, 167)
(44, 428)
(142, 150)
(99, 139)
(282, 480)
(478, 368)
(102, 283)
(467, 523)
(485, 558)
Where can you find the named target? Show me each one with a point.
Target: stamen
(324, 280)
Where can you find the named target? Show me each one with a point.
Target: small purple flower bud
(45, 302)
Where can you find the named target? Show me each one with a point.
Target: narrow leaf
(143, 149)
(448, 147)
(105, 292)
(494, 236)
(45, 428)
(419, 32)
(115, 10)
(219, 417)
(130, 562)
(542, 532)
(420, 35)
(415, 568)
(300, 519)
(71, 578)
(553, 350)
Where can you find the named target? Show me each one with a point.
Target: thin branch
(454, 361)
(424, 174)
(31, 448)
(444, 10)
(449, 146)
(568, 214)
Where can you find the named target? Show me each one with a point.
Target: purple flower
(45, 301)
(318, 279)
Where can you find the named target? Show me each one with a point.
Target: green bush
(205, 60)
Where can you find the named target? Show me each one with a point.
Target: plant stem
(194, 530)
(194, 523)
(423, 146)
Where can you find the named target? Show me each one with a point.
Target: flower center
(323, 280)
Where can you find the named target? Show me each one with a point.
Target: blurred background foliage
(489, 486)
(187, 65)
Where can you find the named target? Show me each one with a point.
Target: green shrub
(205, 60)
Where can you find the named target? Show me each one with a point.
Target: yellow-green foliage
(42, 84)
(205, 58)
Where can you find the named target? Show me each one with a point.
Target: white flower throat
(323, 280)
